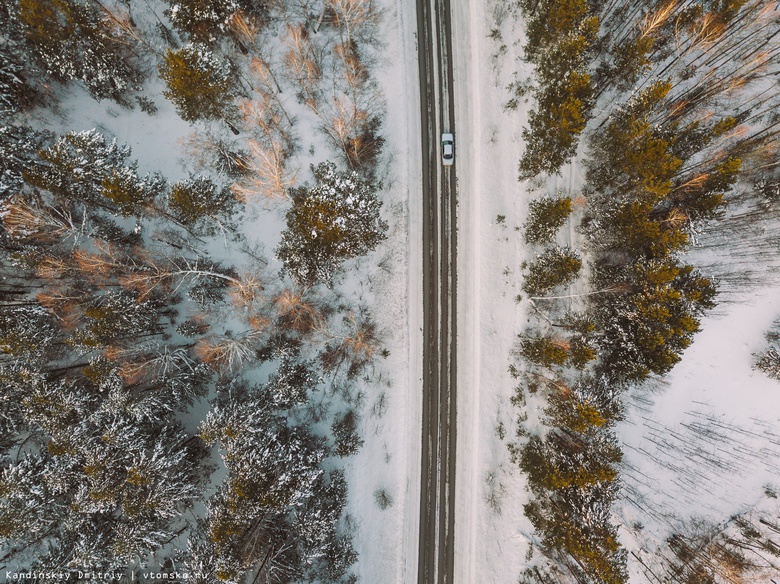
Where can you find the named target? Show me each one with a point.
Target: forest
(169, 399)
(670, 109)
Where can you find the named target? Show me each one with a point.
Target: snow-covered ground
(706, 441)
(489, 540)
(386, 539)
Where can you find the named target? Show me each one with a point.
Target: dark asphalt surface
(437, 497)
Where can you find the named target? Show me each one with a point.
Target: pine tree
(204, 20)
(201, 204)
(19, 146)
(543, 350)
(560, 36)
(556, 266)
(28, 332)
(292, 383)
(15, 91)
(274, 505)
(199, 85)
(545, 217)
(95, 487)
(131, 194)
(334, 221)
(117, 318)
(646, 328)
(76, 166)
(345, 434)
(72, 42)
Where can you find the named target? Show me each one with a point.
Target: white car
(447, 149)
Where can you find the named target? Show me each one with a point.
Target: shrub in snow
(336, 220)
(199, 85)
(383, 499)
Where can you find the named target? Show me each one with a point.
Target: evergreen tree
(15, 91)
(206, 20)
(292, 382)
(118, 318)
(560, 36)
(556, 266)
(201, 204)
(545, 217)
(199, 85)
(95, 488)
(646, 328)
(28, 332)
(72, 42)
(545, 351)
(768, 360)
(345, 434)
(19, 146)
(76, 165)
(131, 194)
(275, 512)
(334, 221)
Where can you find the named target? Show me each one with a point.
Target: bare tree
(227, 354)
(303, 64)
(267, 174)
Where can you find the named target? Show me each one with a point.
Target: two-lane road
(437, 511)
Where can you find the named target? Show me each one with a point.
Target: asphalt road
(437, 497)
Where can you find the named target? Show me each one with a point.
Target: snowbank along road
(437, 517)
